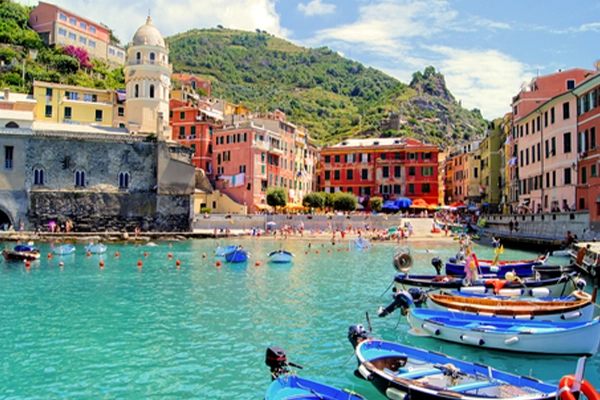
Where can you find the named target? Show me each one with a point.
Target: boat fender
(511, 340)
(472, 340)
(539, 292)
(365, 373)
(494, 268)
(473, 289)
(568, 381)
(431, 329)
(571, 315)
(395, 394)
(527, 317)
(510, 292)
(581, 295)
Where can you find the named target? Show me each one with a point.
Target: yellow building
(73, 104)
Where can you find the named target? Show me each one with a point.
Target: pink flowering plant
(79, 54)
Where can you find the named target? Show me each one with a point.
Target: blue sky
(485, 48)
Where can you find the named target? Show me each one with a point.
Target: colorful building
(491, 173)
(588, 152)
(57, 26)
(196, 84)
(73, 104)
(388, 167)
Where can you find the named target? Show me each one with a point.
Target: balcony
(275, 150)
(260, 145)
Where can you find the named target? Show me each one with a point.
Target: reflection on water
(201, 331)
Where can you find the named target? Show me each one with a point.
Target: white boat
(64, 249)
(362, 244)
(97, 248)
(281, 257)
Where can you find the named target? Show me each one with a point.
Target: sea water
(142, 326)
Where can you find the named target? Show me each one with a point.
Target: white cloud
(176, 17)
(316, 7)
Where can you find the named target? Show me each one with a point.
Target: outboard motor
(357, 334)
(437, 264)
(276, 359)
(418, 295)
(402, 300)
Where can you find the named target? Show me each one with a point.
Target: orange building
(193, 126)
(387, 167)
(193, 82)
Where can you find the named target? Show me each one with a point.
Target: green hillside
(332, 96)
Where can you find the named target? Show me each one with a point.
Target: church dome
(148, 35)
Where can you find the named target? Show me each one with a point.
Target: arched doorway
(5, 221)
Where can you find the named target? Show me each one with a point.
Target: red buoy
(218, 263)
(170, 255)
(203, 255)
(329, 250)
(145, 254)
(27, 264)
(117, 254)
(61, 264)
(257, 263)
(101, 264)
(317, 252)
(89, 254)
(49, 256)
(139, 263)
(178, 263)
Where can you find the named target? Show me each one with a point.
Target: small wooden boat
(520, 268)
(97, 248)
(551, 287)
(221, 251)
(15, 255)
(362, 244)
(237, 256)
(281, 257)
(64, 249)
(578, 307)
(545, 337)
(404, 372)
(287, 386)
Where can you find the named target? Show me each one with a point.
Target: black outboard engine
(276, 359)
(402, 300)
(357, 334)
(437, 264)
(418, 295)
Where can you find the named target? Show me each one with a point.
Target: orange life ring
(564, 389)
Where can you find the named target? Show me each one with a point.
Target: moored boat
(361, 243)
(64, 249)
(96, 248)
(281, 256)
(287, 386)
(14, 255)
(520, 268)
(403, 372)
(238, 255)
(221, 251)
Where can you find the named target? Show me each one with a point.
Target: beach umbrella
(271, 223)
(403, 202)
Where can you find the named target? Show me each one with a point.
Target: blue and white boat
(404, 372)
(537, 336)
(238, 255)
(221, 251)
(362, 244)
(281, 257)
(97, 248)
(287, 386)
(64, 249)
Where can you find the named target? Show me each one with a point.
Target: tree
(328, 198)
(314, 200)
(376, 203)
(345, 202)
(277, 197)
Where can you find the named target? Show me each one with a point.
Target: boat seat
(472, 386)
(418, 373)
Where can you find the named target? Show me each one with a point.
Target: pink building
(544, 130)
(588, 115)
(57, 26)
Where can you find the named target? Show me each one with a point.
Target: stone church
(101, 178)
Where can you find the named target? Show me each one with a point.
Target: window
(83, 25)
(62, 17)
(427, 171)
(8, 157)
(567, 176)
(567, 142)
(48, 111)
(593, 170)
(412, 156)
(72, 36)
(91, 43)
(570, 84)
(111, 51)
(566, 112)
(327, 175)
(327, 159)
(337, 158)
(73, 21)
(82, 40)
(92, 29)
(151, 91)
(552, 115)
(425, 188)
(350, 174)
(411, 188)
(136, 90)
(38, 176)
(336, 175)
(181, 132)
(121, 111)
(364, 174)
(385, 172)
(553, 147)
(593, 138)
(397, 171)
(80, 178)
(193, 132)
(152, 58)
(411, 170)
(584, 175)
(68, 113)
(87, 97)
(123, 180)
(382, 156)
(62, 32)
(138, 56)
(98, 115)
(182, 116)
(546, 118)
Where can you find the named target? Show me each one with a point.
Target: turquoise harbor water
(199, 331)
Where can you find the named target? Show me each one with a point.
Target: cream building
(147, 81)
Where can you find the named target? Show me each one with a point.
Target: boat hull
(293, 387)
(281, 257)
(237, 256)
(520, 269)
(418, 379)
(64, 250)
(553, 287)
(12, 255)
(96, 248)
(221, 251)
(569, 338)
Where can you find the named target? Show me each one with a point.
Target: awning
(294, 206)
(263, 207)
